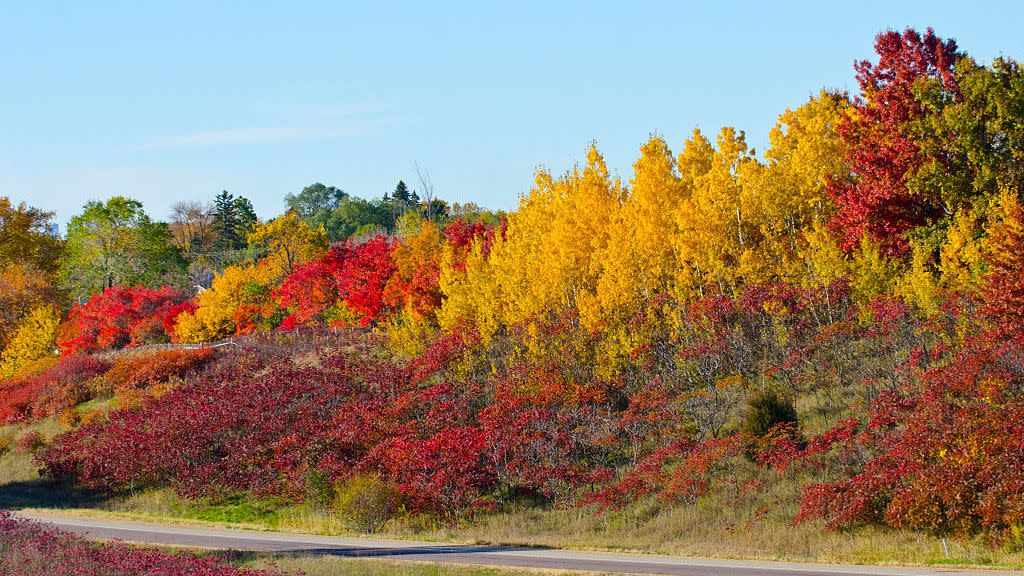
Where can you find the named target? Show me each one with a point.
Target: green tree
(315, 202)
(246, 219)
(353, 214)
(116, 242)
(225, 214)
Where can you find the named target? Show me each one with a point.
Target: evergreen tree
(246, 218)
(226, 215)
(401, 194)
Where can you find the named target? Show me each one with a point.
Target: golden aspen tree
(961, 257)
(714, 238)
(790, 191)
(639, 261)
(547, 261)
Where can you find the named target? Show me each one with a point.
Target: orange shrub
(140, 372)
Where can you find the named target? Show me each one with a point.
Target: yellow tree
(715, 239)
(548, 259)
(638, 263)
(232, 296)
(788, 194)
(288, 241)
(34, 340)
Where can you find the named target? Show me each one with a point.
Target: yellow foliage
(871, 272)
(546, 263)
(407, 334)
(918, 286)
(961, 259)
(214, 317)
(34, 339)
(289, 241)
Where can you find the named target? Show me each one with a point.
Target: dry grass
(332, 566)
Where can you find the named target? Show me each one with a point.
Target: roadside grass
(332, 565)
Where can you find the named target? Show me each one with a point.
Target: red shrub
(31, 549)
(945, 455)
(143, 370)
(118, 317)
(49, 392)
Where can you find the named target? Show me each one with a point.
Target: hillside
(817, 353)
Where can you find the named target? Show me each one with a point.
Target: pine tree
(226, 215)
(401, 194)
(246, 218)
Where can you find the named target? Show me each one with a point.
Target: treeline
(845, 313)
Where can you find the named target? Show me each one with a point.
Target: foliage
(53, 389)
(288, 241)
(1004, 284)
(236, 301)
(116, 243)
(23, 288)
(24, 237)
(35, 339)
(31, 548)
(365, 503)
(885, 151)
(142, 371)
(119, 316)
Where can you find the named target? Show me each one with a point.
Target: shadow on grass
(44, 493)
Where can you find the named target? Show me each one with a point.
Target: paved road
(507, 556)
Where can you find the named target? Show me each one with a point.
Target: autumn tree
(1004, 283)
(886, 150)
(288, 241)
(116, 242)
(34, 339)
(29, 257)
(24, 236)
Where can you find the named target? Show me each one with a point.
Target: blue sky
(184, 99)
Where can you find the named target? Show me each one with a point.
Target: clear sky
(179, 100)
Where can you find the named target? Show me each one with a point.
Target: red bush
(49, 392)
(31, 549)
(118, 317)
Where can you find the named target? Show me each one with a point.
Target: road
(506, 556)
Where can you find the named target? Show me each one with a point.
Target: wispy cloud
(250, 136)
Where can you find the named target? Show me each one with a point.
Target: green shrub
(365, 502)
(319, 491)
(765, 409)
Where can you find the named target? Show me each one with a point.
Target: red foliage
(118, 317)
(144, 370)
(877, 203)
(171, 317)
(353, 274)
(49, 392)
(460, 236)
(946, 456)
(362, 278)
(312, 288)
(30, 549)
